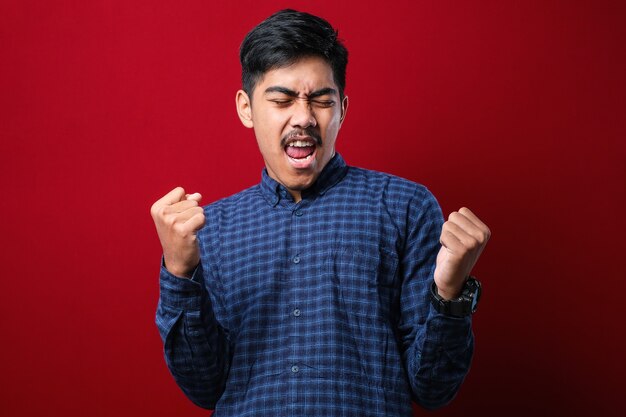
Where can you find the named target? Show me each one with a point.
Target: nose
(303, 115)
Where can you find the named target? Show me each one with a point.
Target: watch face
(476, 294)
(466, 304)
(474, 302)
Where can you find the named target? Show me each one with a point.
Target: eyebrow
(291, 93)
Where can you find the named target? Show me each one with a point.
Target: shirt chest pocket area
(366, 280)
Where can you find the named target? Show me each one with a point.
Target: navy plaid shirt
(315, 308)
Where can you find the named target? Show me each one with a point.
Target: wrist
(180, 271)
(463, 305)
(449, 292)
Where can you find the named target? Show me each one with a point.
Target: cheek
(268, 134)
(332, 126)
(269, 124)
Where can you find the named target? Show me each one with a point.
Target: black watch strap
(463, 305)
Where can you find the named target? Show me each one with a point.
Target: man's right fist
(178, 217)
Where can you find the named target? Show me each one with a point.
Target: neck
(297, 195)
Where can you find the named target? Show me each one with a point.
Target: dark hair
(285, 37)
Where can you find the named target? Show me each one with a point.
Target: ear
(344, 109)
(244, 108)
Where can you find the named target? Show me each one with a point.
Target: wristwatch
(463, 305)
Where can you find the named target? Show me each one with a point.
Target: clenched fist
(463, 238)
(178, 217)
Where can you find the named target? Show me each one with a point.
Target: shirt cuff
(449, 330)
(181, 293)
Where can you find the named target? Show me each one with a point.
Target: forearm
(195, 346)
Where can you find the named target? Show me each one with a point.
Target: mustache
(309, 131)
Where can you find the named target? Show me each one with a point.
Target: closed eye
(282, 102)
(323, 103)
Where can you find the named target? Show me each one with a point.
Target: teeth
(300, 143)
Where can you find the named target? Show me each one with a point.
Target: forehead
(305, 75)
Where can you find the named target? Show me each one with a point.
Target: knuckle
(480, 237)
(202, 221)
(160, 212)
(473, 243)
(170, 221)
(179, 228)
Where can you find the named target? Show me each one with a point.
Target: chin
(301, 184)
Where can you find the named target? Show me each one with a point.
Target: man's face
(296, 113)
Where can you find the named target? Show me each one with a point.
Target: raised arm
(195, 345)
(437, 349)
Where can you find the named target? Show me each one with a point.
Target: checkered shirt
(315, 308)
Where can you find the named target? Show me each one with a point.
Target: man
(322, 290)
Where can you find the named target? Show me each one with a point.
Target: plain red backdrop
(515, 109)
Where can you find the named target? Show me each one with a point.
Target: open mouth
(300, 150)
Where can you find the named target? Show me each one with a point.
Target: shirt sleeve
(437, 349)
(195, 346)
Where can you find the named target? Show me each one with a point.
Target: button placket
(297, 225)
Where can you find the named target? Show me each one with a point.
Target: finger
(468, 246)
(196, 222)
(180, 206)
(172, 197)
(468, 241)
(474, 219)
(449, 241)
(182, 217)
(467, 226)
(195, 196)
(458, 249)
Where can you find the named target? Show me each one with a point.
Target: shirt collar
(332, 173)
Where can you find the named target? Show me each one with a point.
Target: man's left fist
(463, 238)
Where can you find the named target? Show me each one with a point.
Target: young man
(322, 290)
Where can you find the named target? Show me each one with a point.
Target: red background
(515, 109)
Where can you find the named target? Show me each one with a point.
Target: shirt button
(296, 259)
(295, 369)
(299, 213)
(296, 312)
